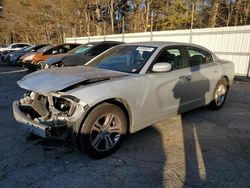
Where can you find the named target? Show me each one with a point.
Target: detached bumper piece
(48, 114)
(33, 126)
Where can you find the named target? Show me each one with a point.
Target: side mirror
(162, 67)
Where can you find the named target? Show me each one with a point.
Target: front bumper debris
(49, 114)
(31, 125)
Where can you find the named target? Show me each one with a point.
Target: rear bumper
(31, 125)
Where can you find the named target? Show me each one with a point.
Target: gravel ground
(201, 148)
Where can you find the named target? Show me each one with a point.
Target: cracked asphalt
(201, 148)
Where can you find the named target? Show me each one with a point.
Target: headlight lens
(46, 66)
(54, 65)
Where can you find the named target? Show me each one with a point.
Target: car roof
(116, 42)
(105, 42)
(19, 43)
(59, 45)
(63, 44)
(165, 44)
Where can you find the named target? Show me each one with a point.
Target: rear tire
(103, 130)
(220, 94)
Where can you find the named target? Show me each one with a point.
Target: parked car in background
(13, 57)
(14, 46)
(26, 59)
(38, 58)
(79, 55)
(10, 48)
(125, 89)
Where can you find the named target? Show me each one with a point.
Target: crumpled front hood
(56, 79)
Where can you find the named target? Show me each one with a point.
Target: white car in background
(14, 47)
(11, 48)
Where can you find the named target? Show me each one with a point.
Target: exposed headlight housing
(54, 65)
(61, 104)
(59, 64)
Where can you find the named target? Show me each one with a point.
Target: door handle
(186, 78)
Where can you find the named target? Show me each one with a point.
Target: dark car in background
(38, 58)
(13, 57)
(80, 55)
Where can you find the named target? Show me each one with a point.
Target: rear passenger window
(71, 47)
(105, 47)
(63, 49)
(199, 57)
(98, 49)
(172, 56)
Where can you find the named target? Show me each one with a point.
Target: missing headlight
(61, 104)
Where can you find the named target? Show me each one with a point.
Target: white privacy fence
(231, 43)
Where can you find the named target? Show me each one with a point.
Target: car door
(171, 91)
(205, 75)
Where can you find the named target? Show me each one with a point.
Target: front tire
(103, 130)
(220, 94)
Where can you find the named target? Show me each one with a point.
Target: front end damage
(49, 114)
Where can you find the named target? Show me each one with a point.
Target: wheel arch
(227, 80)
(123, 104)
(223, 77)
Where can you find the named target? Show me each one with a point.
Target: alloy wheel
(105, 132)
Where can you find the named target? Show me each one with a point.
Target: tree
(49, 21)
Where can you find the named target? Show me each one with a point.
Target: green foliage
(174, 17)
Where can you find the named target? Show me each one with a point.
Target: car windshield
(45, 48)
(83, 49)
(126, 58)
(29, 48)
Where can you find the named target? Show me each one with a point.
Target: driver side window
(172, 56)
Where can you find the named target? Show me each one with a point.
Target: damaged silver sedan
(123, 90)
